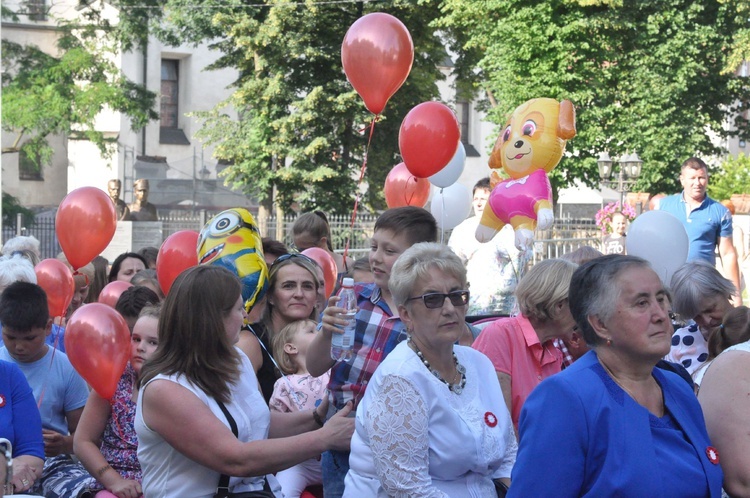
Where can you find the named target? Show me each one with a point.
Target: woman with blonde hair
(521, 347)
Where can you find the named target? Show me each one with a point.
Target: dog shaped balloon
(529, 147)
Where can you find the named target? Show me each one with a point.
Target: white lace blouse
(414, 437)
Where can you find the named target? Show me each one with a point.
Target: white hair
(15, 269)
(21, 243)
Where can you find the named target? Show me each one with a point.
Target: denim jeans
(335, 466)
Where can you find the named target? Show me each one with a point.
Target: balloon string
(442, 217)
(359, 185)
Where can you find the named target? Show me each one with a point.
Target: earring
(609, 342)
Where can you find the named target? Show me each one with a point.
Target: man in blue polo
(708, 222)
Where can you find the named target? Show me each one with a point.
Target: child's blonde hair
(285, 336)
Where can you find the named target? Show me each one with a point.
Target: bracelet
(102, 470)
(316, 418)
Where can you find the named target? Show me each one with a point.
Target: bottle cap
(347, 282)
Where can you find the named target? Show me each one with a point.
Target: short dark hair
(149, 254)
(593, 291)
(134, 299)
(23, 306)
(694, 163)
(483, 184)
(273, 246)
(414, 222)
(118, 263)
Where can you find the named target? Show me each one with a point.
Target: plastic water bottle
(341, 344)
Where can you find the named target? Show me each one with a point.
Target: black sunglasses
(435, 300)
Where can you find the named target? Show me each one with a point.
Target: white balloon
(451, 171)
(451, 205)
(661, 239)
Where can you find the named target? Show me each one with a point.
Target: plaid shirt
(377, 333)
(567, 359)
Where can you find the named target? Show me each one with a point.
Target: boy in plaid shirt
(377, 330)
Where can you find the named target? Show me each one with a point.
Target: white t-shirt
(168, 473)
(414, 437)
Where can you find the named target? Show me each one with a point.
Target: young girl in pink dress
(105, 441)
(297, 390)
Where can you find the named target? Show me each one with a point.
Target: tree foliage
(301, 128)
(731, 177)
(644, 76)
(48, 94)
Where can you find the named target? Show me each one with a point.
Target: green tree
(301, 127)
(644, 76)
(731, 177)
(48, 94)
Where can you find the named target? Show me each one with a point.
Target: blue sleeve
(27, 423)
(76, 391)
(726, 224)
(553, 444)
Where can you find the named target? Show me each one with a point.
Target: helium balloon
(661, 239)
(326, 262)
(451, 206)
(404, 189)
(530, 146)
(231, 239)
(112, 292)
(97, 342)
(451, 172)
(377, 54)
(177, 253)
(428, 138)
(85, 224)
(56, 279)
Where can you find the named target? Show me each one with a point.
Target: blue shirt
(704, 225)
(20, 421)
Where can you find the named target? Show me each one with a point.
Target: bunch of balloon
(402, 188)
(377, 54)
(661, 239)
(428, 138)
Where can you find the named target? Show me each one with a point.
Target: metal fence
(565, 236)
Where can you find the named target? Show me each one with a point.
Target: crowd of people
(591, 378)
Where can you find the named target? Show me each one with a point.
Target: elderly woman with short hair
(612, 424)
(701, 295)
(521, 347)
(432, 422)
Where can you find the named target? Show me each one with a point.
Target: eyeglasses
(434, 300)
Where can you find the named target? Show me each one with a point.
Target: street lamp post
(629, 171)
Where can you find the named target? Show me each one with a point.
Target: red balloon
(377, 54)
(178, 253)
(326, 262)
(428, 138)
(56, 279)
(85, 224)
(112, 291)
(97, 342)
(404, 189)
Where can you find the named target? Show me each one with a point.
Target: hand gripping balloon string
(359, 185)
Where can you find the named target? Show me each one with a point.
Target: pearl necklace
(455, 387)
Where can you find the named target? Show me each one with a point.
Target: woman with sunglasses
(521, 347)
(292, 295)
(433, 421)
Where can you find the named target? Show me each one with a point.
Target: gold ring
(25, 482)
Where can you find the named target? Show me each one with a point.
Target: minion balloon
(231, 239)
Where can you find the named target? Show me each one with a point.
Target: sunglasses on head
(434, 300)
(291, 255)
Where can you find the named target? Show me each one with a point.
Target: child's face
(303, 338)
(385, 248)
(619, 224)
(143, 341)
(27, 346)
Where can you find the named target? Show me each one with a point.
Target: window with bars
(37, 10)
(169, 92)
(29, 166)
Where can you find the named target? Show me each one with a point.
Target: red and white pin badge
(713, 455)
(490, 419)
(2, 401)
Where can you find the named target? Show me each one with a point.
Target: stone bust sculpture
(141, 209)
(123, 212)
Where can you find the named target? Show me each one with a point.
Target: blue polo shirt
(705, 224)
